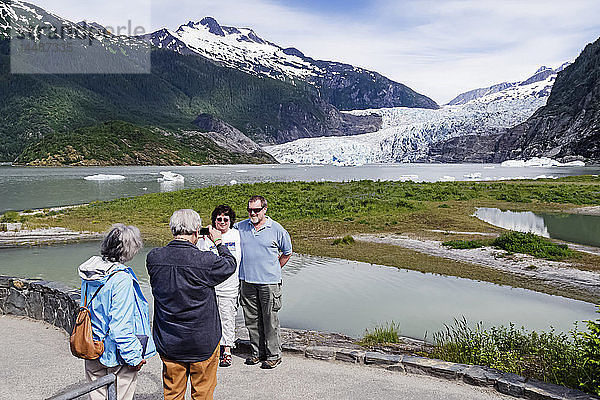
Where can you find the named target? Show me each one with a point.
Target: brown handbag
(82, 342)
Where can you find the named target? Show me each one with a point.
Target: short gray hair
(121, 243)
(185, 222)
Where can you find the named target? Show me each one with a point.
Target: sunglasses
(222, 219)
(254, 210)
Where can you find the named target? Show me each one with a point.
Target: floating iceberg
(168, 176)
(473, 176)
(541, 162)
(103, 177)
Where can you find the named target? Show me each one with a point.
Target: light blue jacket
(119, 311)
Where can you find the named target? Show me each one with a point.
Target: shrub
(563, 359)
(591, 356)
(464, 244)
(387, 333)
(537, 246)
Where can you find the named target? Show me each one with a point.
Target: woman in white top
(223, 218)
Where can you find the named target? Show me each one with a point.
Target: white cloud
(438, 48)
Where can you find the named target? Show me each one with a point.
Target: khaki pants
(202, 374)
(260, 303)
(126, 379)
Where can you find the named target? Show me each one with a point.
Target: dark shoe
(270, 364)
(252, 360)
(225, 360)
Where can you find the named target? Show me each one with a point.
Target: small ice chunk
(168, 176)
(103, 177)
(473, 175)
(232, 182)
(242, 170)
(404, 178)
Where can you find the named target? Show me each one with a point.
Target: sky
(439, 48)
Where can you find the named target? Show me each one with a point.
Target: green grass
(537, 246)
(384, 334)
(571, 359)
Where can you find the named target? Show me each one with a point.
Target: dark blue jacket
(187, 327)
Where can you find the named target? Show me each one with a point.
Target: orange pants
(202, 374)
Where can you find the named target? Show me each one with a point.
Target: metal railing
(109, 380)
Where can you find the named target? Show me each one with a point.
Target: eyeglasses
(222, 219)
(254, 210)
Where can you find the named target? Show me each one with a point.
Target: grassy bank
(316, 213)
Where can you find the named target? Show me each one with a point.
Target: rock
(480, 376)
(372, 358)
(510, 384)
(537, 390)
(441, 369)
(293, 347)
(350, 355)
(320, 352)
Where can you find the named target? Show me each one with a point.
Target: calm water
(28, 187)
(575, 228)
(347, 296)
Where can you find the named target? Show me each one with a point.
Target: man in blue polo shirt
(266, 248)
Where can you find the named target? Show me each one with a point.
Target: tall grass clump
(571, 359)
(388, 333)
(537, 246)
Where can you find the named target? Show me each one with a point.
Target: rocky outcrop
(465, 149)
(228, 137)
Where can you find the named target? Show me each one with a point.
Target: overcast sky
(439, 48)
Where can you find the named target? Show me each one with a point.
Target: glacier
(407, 133)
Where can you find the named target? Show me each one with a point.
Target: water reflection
(515, 221)
(346, 296)
(171, 186)
(575, 228)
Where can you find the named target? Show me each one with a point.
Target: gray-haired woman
(119, 312)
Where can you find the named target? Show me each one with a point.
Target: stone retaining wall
(57, 304)
(52, 302)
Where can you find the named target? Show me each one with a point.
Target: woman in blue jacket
(119, 312)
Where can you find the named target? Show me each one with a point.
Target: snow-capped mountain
(407, 133)
(540, 75)
(343, 85)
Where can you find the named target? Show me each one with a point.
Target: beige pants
(126, 379)
(202, 374)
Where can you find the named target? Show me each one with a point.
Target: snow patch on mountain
(407, 133)
(235, 47)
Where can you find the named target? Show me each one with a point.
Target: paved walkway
(35, 363)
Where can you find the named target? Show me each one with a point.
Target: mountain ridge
(343, 85)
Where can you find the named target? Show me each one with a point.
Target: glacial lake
(575, 228)
(24, 188)
(346, 296)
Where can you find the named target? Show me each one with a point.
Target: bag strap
(97, 290)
